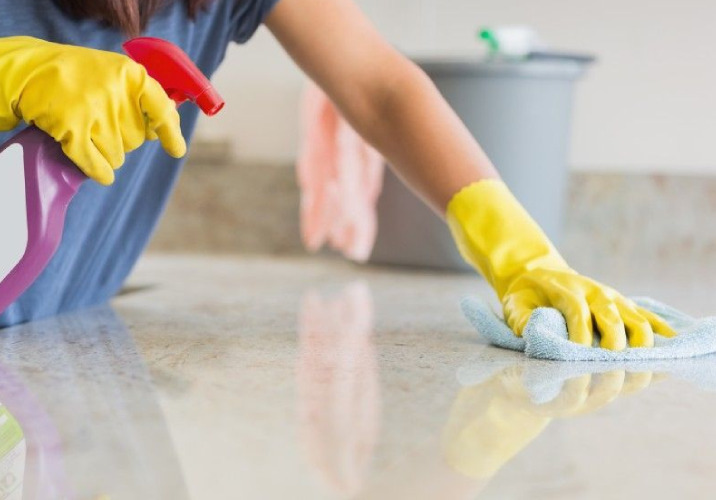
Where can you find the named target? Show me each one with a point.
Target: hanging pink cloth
(340, 177)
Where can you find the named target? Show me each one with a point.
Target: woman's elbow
(384, 96)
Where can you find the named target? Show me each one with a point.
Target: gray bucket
(520, 112)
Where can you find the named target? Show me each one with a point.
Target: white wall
(649, 105)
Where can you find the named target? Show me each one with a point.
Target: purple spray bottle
(38, 182)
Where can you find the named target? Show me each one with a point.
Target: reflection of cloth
(340, 177)
(545, 335)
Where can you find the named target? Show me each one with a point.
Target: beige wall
(649, 105)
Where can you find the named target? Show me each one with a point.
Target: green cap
(489, 36)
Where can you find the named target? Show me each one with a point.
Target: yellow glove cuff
(496, 235)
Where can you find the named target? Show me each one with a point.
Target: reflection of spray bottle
(91, 420)
(13, 451)
(31, 465)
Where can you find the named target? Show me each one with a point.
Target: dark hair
(131, 16)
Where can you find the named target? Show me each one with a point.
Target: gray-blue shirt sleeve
(248, 15)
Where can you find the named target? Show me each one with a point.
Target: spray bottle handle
(175, 71)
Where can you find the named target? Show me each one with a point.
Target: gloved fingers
(149, 132)
(637, 381)
(575, 308)
(609, 323)
(518, 306)
(132, 125)
(637, 327)
(162, 118)
(151, 135)
(8, 122)
(579, 324)
(107, 138)
(658, 324)
(149, 103)
(172, 143)
(110, 150)
(605, 388)
(88, 158)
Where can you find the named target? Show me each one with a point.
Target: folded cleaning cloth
(545, 336)
(340, 177)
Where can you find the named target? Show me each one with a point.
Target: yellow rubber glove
(98, 105)
(498, 237)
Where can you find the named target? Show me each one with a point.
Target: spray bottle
(38, 182)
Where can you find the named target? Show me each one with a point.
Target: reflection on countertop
(81, 415)
(262, 378)
(338, 391)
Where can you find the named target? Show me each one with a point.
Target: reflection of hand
(493, 421)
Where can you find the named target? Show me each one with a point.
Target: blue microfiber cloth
(545, 336)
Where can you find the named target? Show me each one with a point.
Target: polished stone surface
(267, 378)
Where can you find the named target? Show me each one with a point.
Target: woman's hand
(586, 304)
(497, 236)
(98, 105)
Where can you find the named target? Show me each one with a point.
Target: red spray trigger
(172, 68)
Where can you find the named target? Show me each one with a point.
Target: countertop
(309, 378)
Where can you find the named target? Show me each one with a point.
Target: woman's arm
(393, 105)
(386, 97)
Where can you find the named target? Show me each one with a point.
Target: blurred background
(640, 142)
(648, 106)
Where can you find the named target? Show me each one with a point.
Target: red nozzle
(172, 68)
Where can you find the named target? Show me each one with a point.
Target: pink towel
(340, 177)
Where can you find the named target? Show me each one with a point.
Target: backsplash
(638, 220)
(224, 208)
(221, 207)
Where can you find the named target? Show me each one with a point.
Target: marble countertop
(274, 378)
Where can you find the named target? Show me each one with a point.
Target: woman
(102, 107)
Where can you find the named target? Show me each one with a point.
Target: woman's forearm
(413, 126)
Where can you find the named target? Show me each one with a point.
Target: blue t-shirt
(107, 228)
